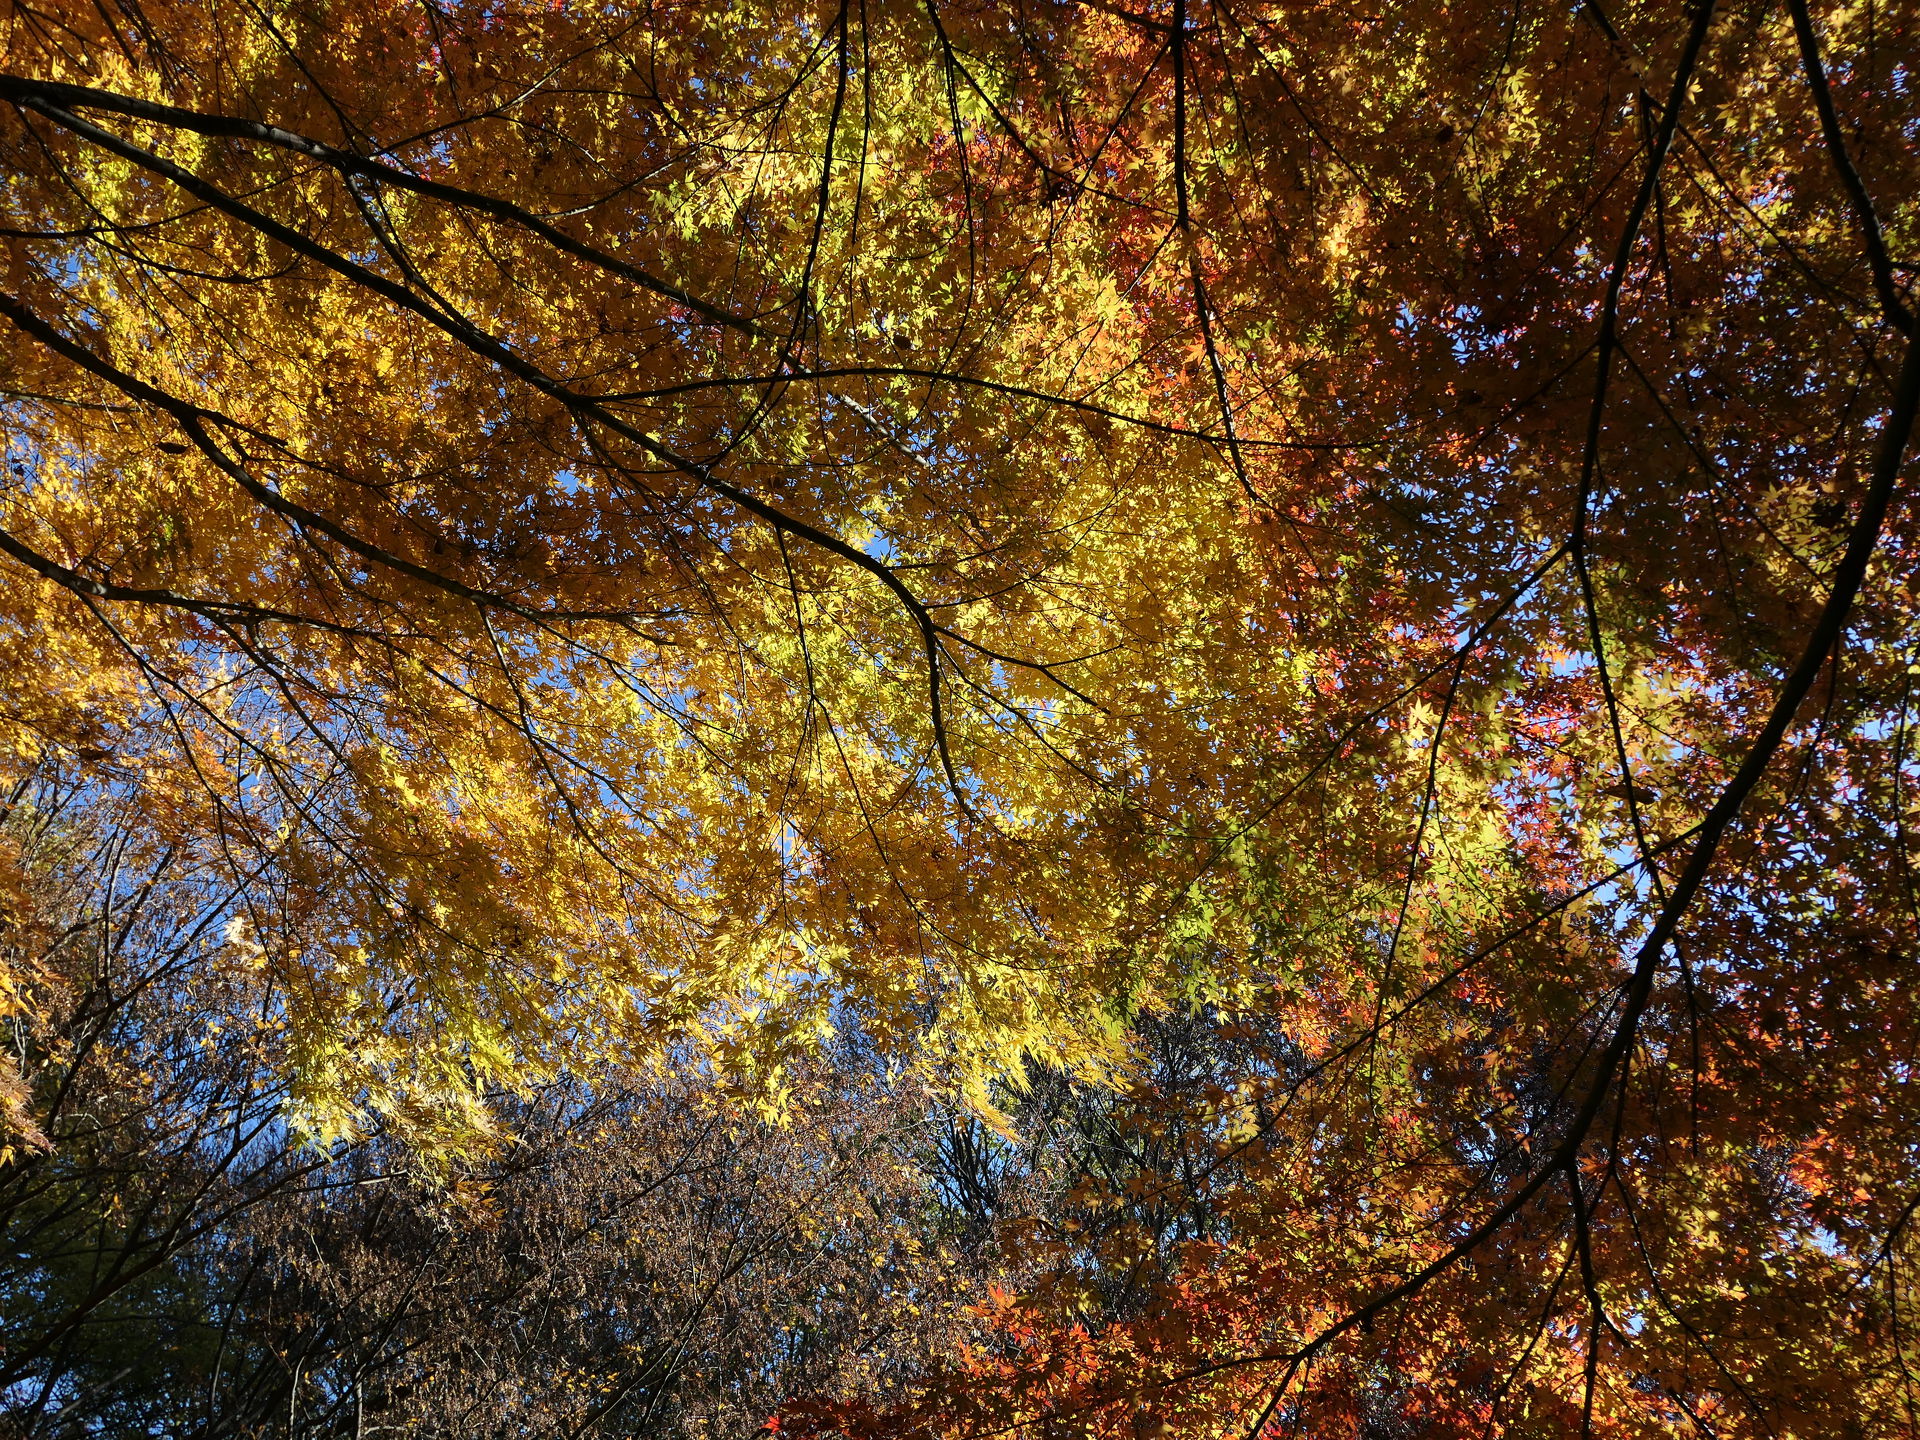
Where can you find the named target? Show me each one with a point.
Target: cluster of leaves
(632, 1257)
(1312, 611)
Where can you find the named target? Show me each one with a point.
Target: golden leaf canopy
(677, 533)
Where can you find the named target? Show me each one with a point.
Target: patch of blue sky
(880, 546)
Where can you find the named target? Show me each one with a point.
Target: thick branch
(37, 93)
(1891, 304)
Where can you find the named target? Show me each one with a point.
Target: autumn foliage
(1275, 641)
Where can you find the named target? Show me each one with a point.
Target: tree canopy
(1307, 615)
